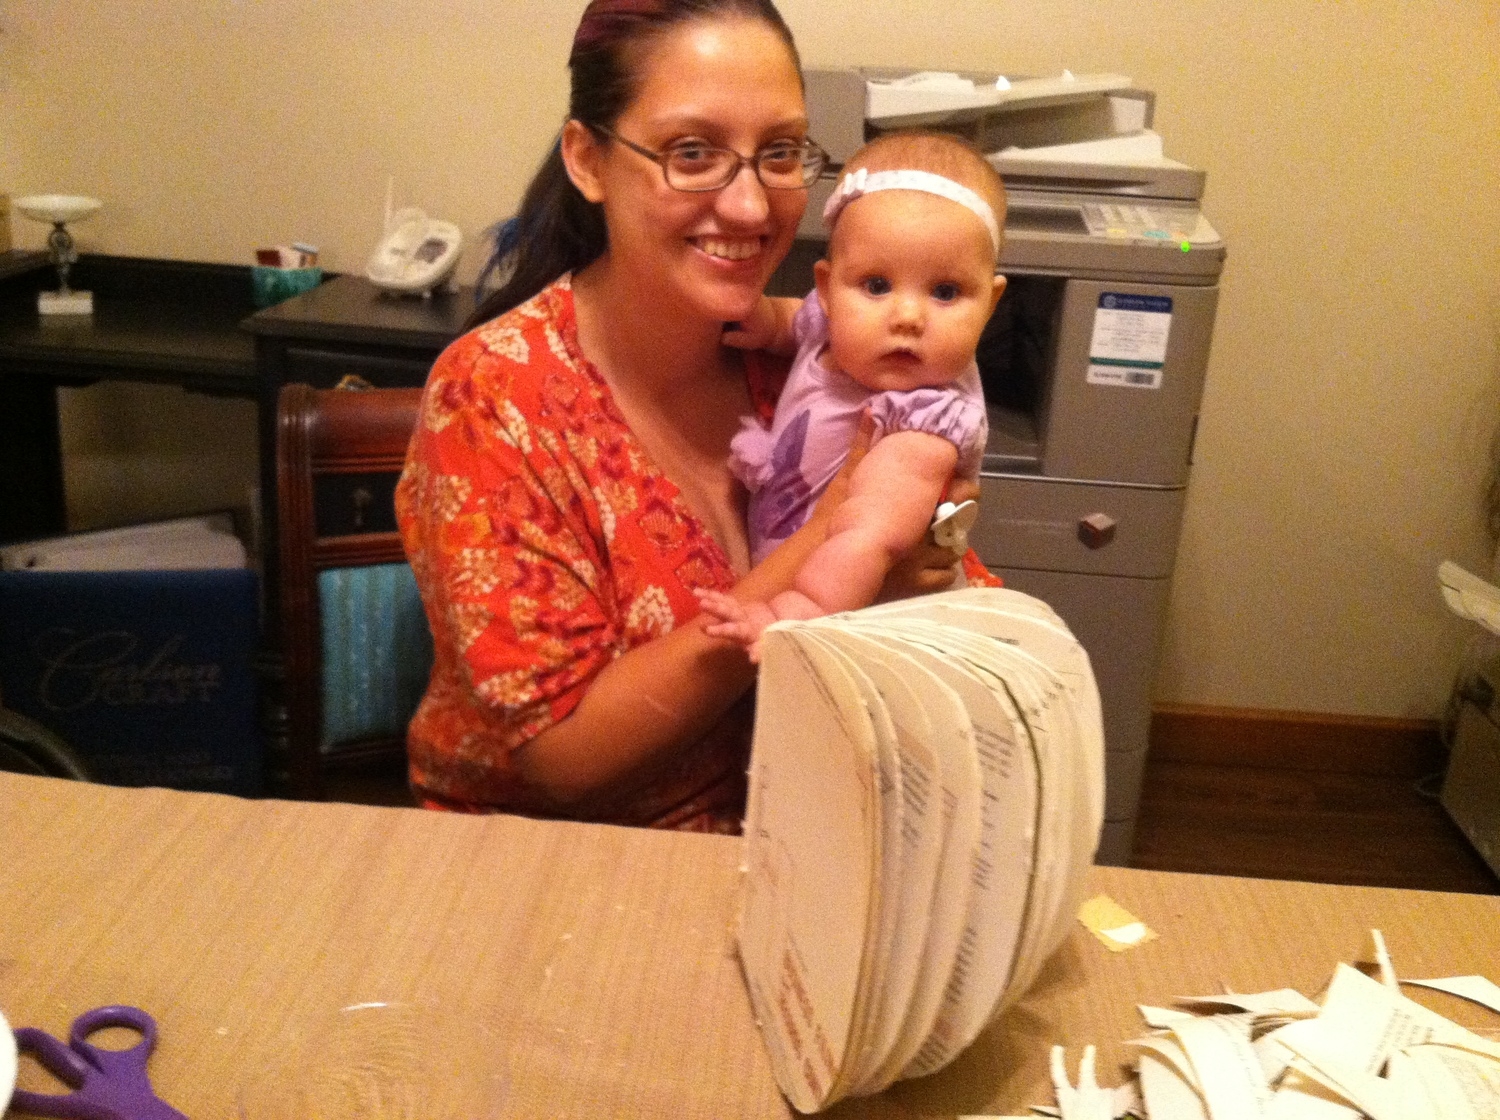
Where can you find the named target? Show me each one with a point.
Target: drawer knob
(362, 500)
(1096, 530)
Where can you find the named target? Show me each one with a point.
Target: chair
(26, 747)
(355, 644)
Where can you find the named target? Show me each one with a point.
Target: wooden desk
(167, 322)
(192, 325)
(596, 962)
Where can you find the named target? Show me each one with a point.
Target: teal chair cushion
(377, 652)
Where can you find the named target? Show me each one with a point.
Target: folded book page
(880, 930)
(812, 846)
(926, 796)
(996, 902)
(917, 708)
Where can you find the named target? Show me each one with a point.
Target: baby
(908, 285)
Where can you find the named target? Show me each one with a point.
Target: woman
(568, 486)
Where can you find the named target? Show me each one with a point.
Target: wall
(1352, 163)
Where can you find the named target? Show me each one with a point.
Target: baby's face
(909, 284)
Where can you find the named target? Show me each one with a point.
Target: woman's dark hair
(556, 229)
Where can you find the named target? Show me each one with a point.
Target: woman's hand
(928, 567)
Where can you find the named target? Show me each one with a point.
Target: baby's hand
(767, 327)
(738, 622)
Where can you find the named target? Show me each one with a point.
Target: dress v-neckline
(568, 335)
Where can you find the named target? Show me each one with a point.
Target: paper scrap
(1287, 1002)
(1087, 1100)
(1112, 924)
(1128, 1100)
(1367, 1051)
(1441, 1081)
(1169, 1051)
(1167, 1094)
(1383, 961)
(1477, 988)
(1299, 1097)
(1162, 1018)
(1229, 1072)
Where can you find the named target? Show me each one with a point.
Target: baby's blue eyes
(945, 292)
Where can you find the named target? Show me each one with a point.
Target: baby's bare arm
(892, 493)
(891, 498)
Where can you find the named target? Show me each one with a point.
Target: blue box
(148, 675)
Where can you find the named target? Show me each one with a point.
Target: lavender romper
(788, 466)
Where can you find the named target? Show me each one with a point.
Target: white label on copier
(1129, 346)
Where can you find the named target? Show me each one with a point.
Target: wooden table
(568, 970)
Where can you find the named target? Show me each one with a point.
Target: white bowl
(57, 207)
(7, 1063)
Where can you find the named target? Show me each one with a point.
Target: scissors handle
(104, 1084)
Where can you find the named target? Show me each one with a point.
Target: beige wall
(1353, 165)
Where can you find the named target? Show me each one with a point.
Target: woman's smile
(729, 249)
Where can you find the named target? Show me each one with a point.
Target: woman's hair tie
(603, 20)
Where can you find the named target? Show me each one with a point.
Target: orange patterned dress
(545, 544)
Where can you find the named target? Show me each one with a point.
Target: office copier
(1093, 363)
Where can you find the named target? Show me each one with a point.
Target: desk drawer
(349, 504)
(387, 369)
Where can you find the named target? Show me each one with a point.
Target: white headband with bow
(864, 181)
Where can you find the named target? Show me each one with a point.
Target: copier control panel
(1139, 221)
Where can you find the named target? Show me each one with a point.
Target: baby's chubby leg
(739, 622)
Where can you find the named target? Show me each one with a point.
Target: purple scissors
(105, 1084)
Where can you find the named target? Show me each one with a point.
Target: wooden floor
(1327, 827)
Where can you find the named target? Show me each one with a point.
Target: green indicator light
(1186, 247)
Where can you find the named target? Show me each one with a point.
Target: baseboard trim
(1295, 740)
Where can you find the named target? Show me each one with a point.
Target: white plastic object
(8, 1058)
(416, 254)
(1470, 597)
(951, 525)
(57, 207)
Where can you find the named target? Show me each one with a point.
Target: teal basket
(272, 285)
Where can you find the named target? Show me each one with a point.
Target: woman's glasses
(782, 166)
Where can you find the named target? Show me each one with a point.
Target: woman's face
(728, 83)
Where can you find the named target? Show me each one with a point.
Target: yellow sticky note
(1112, 924)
